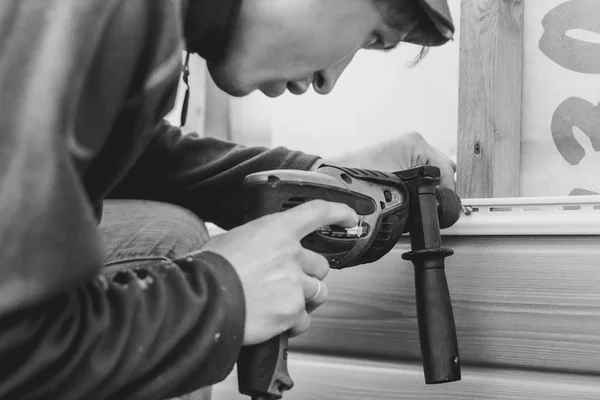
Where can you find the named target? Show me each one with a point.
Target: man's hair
(400, 13)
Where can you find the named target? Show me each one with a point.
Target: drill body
(388, 205)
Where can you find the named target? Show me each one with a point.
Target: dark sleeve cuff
(300, 161)
(228, 320)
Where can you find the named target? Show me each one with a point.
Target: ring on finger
(318, 292)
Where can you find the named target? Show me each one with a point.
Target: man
(122, 299)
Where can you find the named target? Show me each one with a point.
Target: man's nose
(326, 79)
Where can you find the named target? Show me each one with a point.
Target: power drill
(388, 205)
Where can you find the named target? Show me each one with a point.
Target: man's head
(290, 44)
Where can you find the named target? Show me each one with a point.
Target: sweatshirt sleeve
(204, 175)
(66, 331)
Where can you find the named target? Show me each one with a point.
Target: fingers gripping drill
(388, 205)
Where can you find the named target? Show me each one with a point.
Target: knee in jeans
(184, 227)
(157, 228)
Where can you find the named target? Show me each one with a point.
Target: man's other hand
(397, 154)
(281, 279)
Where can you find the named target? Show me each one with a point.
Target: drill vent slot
(384, 234)
(293, 202)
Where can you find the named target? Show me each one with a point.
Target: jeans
(138, 232)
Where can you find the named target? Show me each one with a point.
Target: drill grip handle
(262, 369)
(437, 332)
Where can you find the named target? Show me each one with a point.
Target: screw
(477, 148)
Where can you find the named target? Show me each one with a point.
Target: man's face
(291, 44)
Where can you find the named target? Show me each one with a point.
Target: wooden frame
(490, 93)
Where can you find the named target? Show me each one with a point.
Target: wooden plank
(489, 121)
(324, 378)
(524, 302)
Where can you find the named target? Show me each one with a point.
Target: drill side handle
(430, 208)
(437, 331)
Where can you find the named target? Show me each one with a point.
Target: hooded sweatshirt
(84, 88)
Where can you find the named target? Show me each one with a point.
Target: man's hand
(279, 275)
(397, 154)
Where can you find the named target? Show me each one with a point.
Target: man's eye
(378, 41)
(373, 42)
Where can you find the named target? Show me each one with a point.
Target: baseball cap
(435, 27)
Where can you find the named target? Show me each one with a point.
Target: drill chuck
(449, 207)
